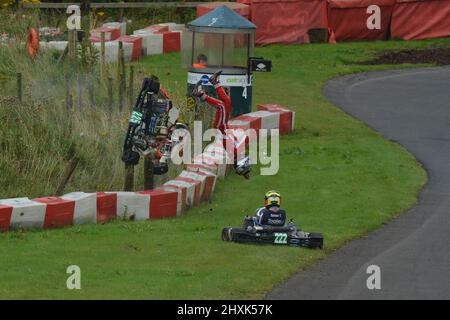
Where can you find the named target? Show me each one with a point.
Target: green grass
(336, 176)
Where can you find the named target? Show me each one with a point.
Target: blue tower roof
(222, 19)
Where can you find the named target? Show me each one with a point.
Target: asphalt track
(411, 107)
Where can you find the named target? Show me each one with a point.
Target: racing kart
(288, 234)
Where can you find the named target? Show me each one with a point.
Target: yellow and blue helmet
(272, 198)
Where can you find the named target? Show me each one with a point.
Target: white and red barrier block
(157, 28)
(203, 167)
(245, 122)
(152, 43)
(171, 41)
(269, 120)
(163, 203)
(106, 207)
(132, 206)
(110, 33)
(25, 213)
(197, 188)
(122, 26)
(188, 188)
(58, 212)
(136, 43)
(112, 50)
(181, 199)
(85, 210)
(5, 217)
(287, 117)
(210, 180)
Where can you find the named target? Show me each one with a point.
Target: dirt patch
(438, 56)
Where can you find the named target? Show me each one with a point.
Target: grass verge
(336, 176)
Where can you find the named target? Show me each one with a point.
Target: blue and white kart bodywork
(252, 232)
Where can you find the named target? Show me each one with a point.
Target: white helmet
(243, 166)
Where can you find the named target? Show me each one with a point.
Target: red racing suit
(223, 112)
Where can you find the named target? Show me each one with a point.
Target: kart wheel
(226, 234)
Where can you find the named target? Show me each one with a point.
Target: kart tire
(226, 234)
(316, 240)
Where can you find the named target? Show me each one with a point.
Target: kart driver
(223, 111)
(271, 214)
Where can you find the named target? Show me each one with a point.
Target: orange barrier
(242, 9)
(347, 20)
(287, 21)
(33, 43)
(419, 19)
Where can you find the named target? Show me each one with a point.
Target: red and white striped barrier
(152, 43)
(110, 33)
(181, 197)
(24, 213)
(195, 184)
(136, 42)
(85, 210)
(171, 41)
(112, 50)
(287, 117)
(122, 26)
(106, 207)
(269, 120)
(245, 122)
(187, 188)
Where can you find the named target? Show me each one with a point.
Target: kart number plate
(280, 238)
(136, 117)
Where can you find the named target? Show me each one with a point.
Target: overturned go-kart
(284, 235)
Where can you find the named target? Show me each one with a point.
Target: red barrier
(106, 206)
(347, 19)
(137, 45)
(286, 116)
(58, 213)
(163, 204)
(5, 217)
(419, 19)
(242, 9)
(197, 188)
(171, 41)
(157, 28)
(183, 193)
(254, 123)
(287, 21)
(110, 33)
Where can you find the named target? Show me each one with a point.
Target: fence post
(19, 86)
(129, 178)
(102, 56)
(71, 166)
(131, 86)
(91, 90)
(121, 70)
(110, 94)
(80, 92)
(67, 90)
(148, 174)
